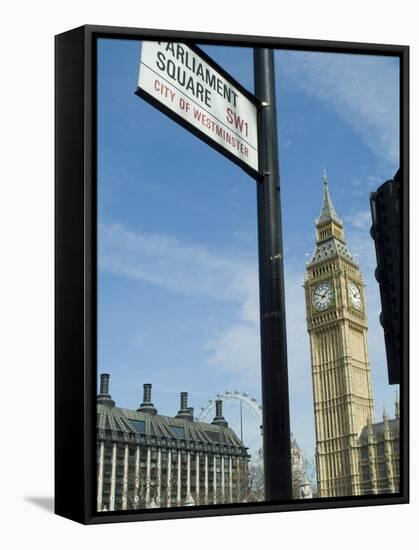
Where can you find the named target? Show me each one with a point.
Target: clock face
(354, 295)
(323, 296)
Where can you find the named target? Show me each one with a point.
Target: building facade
(337, 327)
(146, 460)
(379, 456)
(301, 485)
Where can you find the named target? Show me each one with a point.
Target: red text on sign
(222, 134)
(238, 122)
(164, 90)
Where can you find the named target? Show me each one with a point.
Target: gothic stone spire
(328, 212)
(330, 238)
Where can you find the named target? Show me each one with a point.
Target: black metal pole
(275, 400)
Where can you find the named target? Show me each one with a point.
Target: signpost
(275, 398)
(183, 82)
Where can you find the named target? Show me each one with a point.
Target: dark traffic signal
(385, 230)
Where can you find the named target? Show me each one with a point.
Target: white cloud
(362, 89)
(234, 347)
(360, 220)
(165, 261)
(237, 350)
(194, 270)
(362, 186)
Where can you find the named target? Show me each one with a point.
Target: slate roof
(331, 248)
(132, 425)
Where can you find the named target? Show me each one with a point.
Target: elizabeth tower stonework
(337, 327)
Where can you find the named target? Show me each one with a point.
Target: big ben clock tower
(337, 327)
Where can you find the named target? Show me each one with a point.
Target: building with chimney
(147, 460)
(354, 455)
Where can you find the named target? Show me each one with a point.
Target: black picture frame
(76, 267)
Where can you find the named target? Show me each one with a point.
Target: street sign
(184, 83)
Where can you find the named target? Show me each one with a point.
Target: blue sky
(178, 283)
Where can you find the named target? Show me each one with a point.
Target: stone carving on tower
(337, 327)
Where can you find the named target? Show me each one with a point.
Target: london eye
(244, 417)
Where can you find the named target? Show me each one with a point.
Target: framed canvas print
(231, 274)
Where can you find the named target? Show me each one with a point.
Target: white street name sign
(186, 85)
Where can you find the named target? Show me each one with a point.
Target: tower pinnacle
(330, 234)
(328, 212)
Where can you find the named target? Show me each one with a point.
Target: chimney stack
(104, 397)
(184, 412)
(147, 393)
(104, 383)
(147, 406)
(219, 419)
(183, 400)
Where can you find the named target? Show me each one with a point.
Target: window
(139, 425)
(214, 436)
(179, 431)
(382, 469)
(365, 473)
(380, 449)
